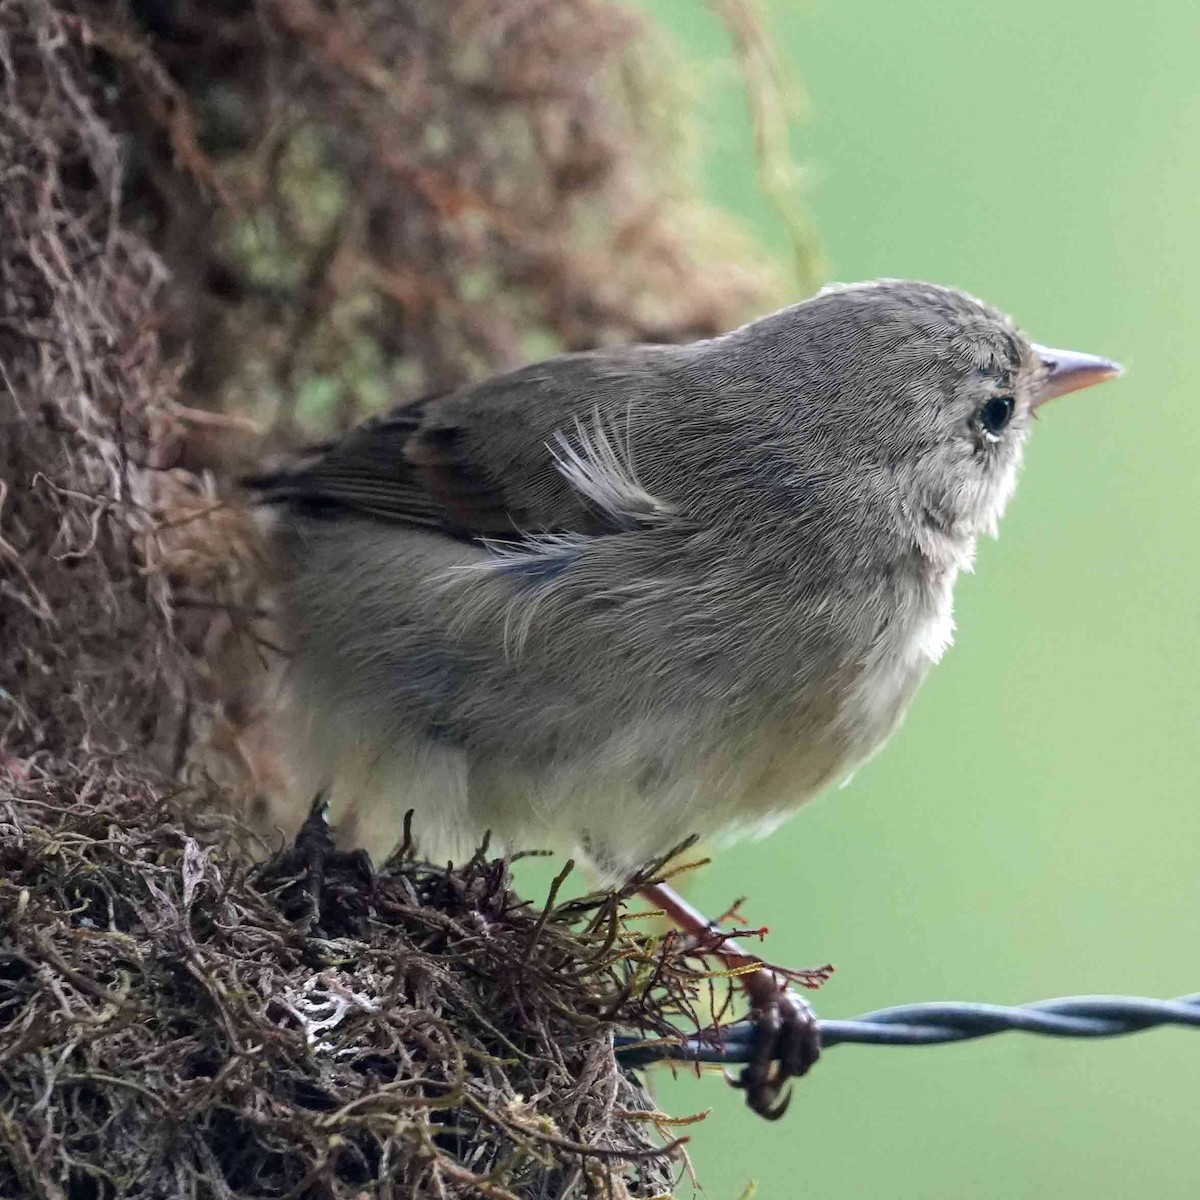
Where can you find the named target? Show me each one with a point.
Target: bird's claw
(787, 1041)
(315, 854)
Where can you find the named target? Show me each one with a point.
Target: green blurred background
(1033, 829)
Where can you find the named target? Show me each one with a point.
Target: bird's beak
(1068, 371)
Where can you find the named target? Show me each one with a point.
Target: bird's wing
(543, 450)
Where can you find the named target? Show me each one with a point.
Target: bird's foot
(787, 1039)
(787, 1042)
(326, 871)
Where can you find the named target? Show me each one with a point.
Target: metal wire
(935, 1023)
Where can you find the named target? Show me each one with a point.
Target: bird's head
(923, 394)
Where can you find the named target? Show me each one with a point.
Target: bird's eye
(996, 414)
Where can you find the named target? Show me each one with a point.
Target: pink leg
(788, 1041)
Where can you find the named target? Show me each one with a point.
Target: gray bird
(622, 597)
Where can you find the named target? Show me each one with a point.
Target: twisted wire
(936, 1023)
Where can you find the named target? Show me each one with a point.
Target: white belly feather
(896, 665)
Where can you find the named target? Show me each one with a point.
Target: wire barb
(936, 1023)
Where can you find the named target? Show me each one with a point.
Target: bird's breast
(916, 635)
(830, 731)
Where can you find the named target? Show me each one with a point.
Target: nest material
(380, 199)
(167, 1031)
(222, 227)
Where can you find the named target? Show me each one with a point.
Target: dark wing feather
(365, 470)
(473, 463)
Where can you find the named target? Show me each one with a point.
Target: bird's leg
(787, 1040)
(314, 851)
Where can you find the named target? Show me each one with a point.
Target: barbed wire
(935, 1023)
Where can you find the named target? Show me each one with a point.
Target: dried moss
(391, 198)
(166, 1030)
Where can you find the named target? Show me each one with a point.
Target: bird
(636, 594)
